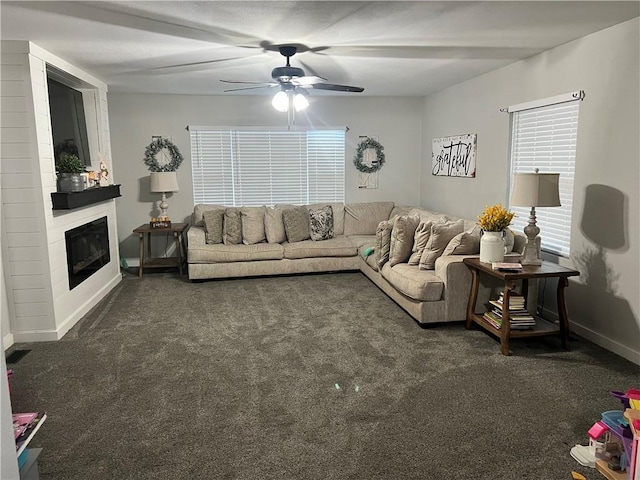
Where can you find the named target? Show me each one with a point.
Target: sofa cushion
(338, 215)
(421, 285)
(232, 227)
(198, 211)
(296, 223)
(399, 210)
(235, 253)
(274, 226)
(321, 223)
(441, 235)
(404, 228)
(334, 247)
(383, 242)
(363, 218)
(465, 243)
(428, 215)
(213, 222)
(420, 239)
(252, 225)
(360, 240)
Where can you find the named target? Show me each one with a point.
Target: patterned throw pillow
(420, 240)
(232, 227)
(296, 223)
(383, 242)
(321, 223)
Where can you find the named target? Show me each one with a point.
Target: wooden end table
(510, 279)
(177, 230)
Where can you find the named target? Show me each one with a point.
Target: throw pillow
(213, 220)
(420, 240)
(232, 227)
(465, 243)
(252, 225)
(274, 226)
(402, 234)
(441, 235)
(296, 223)
(383, 242)
(321, 223)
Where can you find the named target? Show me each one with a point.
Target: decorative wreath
(154, 148)
(379, 161)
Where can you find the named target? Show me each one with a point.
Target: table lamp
(163, 182)
(534, 190)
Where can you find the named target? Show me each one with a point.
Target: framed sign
(454, 156)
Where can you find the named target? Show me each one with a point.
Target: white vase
(492, 247)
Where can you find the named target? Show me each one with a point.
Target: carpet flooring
(303, 377)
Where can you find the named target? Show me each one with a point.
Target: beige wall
(604, 304)
(134, 119)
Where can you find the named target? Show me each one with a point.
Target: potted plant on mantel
(70, 169)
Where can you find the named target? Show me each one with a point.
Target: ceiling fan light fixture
(280, 101)
(300, 102)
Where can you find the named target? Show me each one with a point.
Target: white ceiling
(389, 48)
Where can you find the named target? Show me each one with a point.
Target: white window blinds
(252, 167)
(545, 138)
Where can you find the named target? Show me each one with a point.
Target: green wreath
(377, 164)
(154, 148)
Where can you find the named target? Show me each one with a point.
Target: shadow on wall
(593, 303)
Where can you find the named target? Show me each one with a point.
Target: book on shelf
(506, 266)
(25, 426)
(513, 306)
(515, 324)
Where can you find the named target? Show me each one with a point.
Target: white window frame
(544, 136)
(253, 166)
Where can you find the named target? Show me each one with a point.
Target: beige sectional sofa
(434, 295)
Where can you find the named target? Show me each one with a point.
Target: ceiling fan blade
(268, 85)
(264, 84)
(337, 88)
(308, 80)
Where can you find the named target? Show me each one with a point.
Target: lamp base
(531, 254)
(163, 205)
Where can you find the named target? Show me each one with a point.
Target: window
(252, 167)
(543, 136)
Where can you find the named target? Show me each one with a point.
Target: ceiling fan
(293, 81)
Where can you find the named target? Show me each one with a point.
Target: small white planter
(492, 247)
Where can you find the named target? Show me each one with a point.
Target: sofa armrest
(196, 236)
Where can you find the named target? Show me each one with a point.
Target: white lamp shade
(535, 190)
(280, 101)
(164, 182)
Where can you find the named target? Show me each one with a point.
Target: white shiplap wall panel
(19, 239)
(19, 210)
(29, 282)
(34, 295)
(30, 267)
(17, 165)
(13, 104)
(15, 119)
(16, 150)
(16, 181)
(21, 225)
(22, 254)
(13, 88)
(19, 195)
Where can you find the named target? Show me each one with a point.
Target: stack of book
(519, 317)
(25, 426)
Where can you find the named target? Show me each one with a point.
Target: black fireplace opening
(87, 250)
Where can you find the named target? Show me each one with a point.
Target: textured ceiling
(389, 48)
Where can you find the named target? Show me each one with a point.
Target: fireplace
(87, 250)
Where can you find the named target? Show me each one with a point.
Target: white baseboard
(7, 340)
(599, 339)
(64, 327)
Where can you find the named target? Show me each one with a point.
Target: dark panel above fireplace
(71, 200)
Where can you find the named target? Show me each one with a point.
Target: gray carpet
(303, 377)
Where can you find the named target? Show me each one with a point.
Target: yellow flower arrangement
(495, 219)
